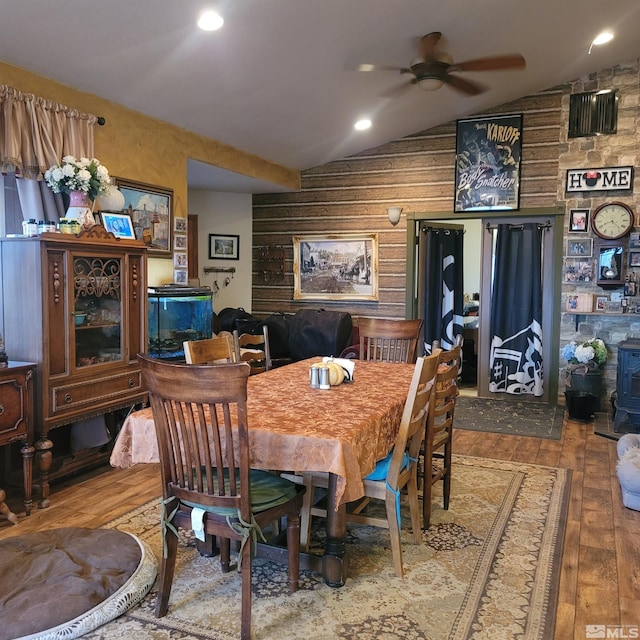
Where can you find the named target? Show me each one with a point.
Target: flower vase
(79, 209)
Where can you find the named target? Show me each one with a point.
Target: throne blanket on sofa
(317, 332)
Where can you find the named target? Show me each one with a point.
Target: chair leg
(225, 554)
(414, 507)
(427, 484)
(245, 614)
(293, 550)
(305, 513)
(394, 533)
(446, 486)
(167, 568)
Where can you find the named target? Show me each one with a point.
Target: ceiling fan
(433, 68)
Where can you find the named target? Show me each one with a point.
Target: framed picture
(224, 247)
(579, 220)
(575, 270)
(601, 303)
(634, 240)
(634, 258)
(180, 225)
(180, 276)
(335, 267)
(579, 248)
(151, 209)
(487, 171)
(180, 259)
(119, 224)
(180, 242)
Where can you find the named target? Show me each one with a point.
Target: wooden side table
(16, 421)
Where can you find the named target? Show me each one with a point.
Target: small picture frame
(180, 276)
(579, 221)
(612, 306)
(224, 247)
(634, 240)
(601, 303)
(120, 224)
(576, 271)
(180, 225)
(634, 258)
(180, 259)
(579, 247)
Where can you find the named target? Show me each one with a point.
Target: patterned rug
(487, 568)
(515, 417)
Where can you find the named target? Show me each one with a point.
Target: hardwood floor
(600, 577)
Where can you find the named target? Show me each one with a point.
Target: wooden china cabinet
(76, 306)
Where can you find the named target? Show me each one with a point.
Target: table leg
(335, 560)
(27, 473)
(43, 459)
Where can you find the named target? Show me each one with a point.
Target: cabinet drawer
(13, 424)
(93, 393)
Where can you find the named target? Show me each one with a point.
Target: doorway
(481, 247)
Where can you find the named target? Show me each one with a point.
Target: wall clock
(612, 220)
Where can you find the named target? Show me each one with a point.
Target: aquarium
(176, 314)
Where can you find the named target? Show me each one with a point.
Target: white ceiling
(275, 80)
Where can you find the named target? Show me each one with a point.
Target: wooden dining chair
(389, 340)
(438, 438)
(395, 474)
(253, 349)
(206, 471)
(216, 350)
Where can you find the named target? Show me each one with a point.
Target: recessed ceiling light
(601, 38)
(210, 20)
(362, 125)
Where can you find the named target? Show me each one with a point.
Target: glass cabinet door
(97, 310)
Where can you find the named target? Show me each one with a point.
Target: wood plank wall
(416, 173)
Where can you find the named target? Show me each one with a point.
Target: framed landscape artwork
(224, 247)
(335, 267)
(151, 210)
(487, 171)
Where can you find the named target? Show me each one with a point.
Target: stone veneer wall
(620, 149)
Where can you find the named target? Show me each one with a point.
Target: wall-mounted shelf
(219, 269)
(577, 314)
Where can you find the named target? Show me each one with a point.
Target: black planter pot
(581, 405)
(587, 382)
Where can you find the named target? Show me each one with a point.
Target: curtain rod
(546, 225)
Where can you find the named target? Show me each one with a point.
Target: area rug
(487, 568)
(515, 417)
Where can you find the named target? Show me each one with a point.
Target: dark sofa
(297, 336)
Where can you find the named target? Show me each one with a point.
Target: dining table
(293, 427)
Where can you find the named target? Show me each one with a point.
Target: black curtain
(516, 311)
(444, 295)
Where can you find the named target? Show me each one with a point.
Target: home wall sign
(600, 179)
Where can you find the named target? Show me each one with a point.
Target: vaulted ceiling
(278, 79)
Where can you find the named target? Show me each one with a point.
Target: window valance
(36, 133)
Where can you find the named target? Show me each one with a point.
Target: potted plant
(584, 375)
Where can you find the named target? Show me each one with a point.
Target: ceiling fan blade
(463, 85)
(496, 63)
(396, 91)
(428, 44)
(380, 67)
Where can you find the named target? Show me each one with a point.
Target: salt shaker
(324, 377)
(314, 379)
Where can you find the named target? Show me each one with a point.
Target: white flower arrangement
(82, 174)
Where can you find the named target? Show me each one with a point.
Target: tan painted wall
(140, 148)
